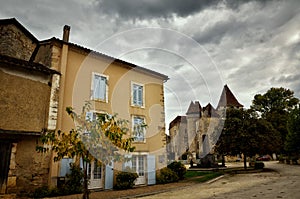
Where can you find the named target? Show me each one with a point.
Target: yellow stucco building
(111, 86)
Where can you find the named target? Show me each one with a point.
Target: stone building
(39, 79)
(198, 132)
(25, 89)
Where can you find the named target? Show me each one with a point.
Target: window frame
(132, 95)
(93, 90)
(94, 117)
(133, 129)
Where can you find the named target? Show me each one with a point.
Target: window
(139, 128)
(91, 116)
(65, 167)
(137, 95)
(99, 87)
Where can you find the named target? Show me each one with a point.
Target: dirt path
(285, 183)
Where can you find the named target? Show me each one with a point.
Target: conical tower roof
(227, 99)
(209, 111)
(194, 109)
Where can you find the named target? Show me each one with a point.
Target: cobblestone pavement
(284, 183)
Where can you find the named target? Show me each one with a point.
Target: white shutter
(102, 88)
(140, 96)
(96, 83)
(127, 162)
(134, 94)
(89, 116)
(151, 170)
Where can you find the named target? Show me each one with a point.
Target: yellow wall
(77, 91)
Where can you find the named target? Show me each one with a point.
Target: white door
(138, 165)
(95, 176)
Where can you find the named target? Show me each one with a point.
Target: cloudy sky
(201, 45)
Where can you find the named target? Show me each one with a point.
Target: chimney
(66, 33)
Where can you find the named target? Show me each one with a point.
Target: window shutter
(151, 169)
(65, 166)
(102, 88)
(89, 116)
(134, 95)
(96, 86)
(127, 162)
(140, 95)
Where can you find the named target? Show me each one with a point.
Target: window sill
(139, 142)
(137, 106)
(100, 100)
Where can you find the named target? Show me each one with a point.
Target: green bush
(259, 165)
(125, 180)
(73, 185)
(166, 175)
(178, 168)
(41, 192)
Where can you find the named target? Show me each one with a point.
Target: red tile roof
(228, 99)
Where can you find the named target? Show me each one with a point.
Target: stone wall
(14, 43)
(28, 169)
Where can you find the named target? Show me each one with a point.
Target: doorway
(5, 152)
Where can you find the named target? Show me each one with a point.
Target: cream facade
(39, 79)
(111, 86)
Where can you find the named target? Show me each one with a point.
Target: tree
(274, 106)
(244, 133)
(97, 140)
(292, 144)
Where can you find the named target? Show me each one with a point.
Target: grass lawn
(201, 176)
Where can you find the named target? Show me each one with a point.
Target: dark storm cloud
(154, 8)
(142, 9)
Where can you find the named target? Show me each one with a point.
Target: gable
(15, 40)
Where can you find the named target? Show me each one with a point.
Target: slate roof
(227, 99)
(177, 120)
(209, 111)
(194, 108)
(31, 66)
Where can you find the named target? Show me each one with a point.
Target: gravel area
(283, 183)
(136, 192)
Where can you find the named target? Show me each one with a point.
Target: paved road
(285, 183)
